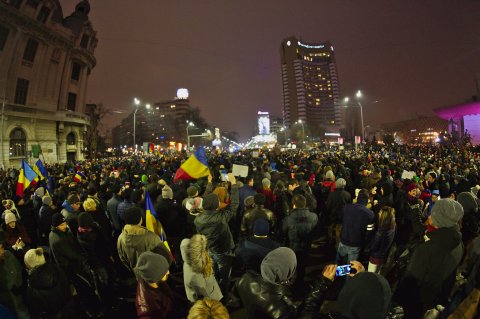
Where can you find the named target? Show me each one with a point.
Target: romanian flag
(40, 170)
(153, 223)
(26, 178)
(195, 166)
(78, 177)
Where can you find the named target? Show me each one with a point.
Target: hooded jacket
(196, 285)
(134, 240)
(267, 295)
(430, 275)
(214, 225)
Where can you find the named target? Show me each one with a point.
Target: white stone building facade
(45, 62)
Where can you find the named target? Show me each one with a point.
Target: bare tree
(96, 112)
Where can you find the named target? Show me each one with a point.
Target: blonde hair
(386, 218)
(197, 256)
(208, 309)
(89, 205)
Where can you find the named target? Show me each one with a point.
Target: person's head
(211, 202)
(435, 195)
(386, 218)
(279, 266)
(362, 197)
(411, 190)
(92, 189)
(127, 194)
(116, 189)
(167, 192)
(249, 180)
(10, 219)
(299, 201)
(329, 176)
(365, 296)
(89, 205)
(431, 177)
(259, 199)
(74, 201)
(85, 220)
(249, 202)
(192, 191)
(59, 223)
(47, 200)
(34, 258)
(340, 183)
(266, 183)
(208, 309)
(197, 256)
(446, 213)
(40, 192)
(152, 268)
(133, 216)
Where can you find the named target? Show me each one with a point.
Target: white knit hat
(34, 258)
(9, 217)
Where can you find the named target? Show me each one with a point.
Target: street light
(303, 130)
(359, 95)
(188, 135)
(137, 104)
(284, 130)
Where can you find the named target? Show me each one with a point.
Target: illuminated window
(172, 106)
(18, 143)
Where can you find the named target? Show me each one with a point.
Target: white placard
(240, 170)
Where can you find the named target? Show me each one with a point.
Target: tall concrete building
(45, 62)
(310, 84)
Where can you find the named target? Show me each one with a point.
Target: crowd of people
(396, 228)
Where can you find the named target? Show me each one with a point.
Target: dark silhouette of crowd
(379, 232)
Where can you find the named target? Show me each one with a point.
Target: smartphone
(343, 270)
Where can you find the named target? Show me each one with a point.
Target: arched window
(18, 143)
(71, 139)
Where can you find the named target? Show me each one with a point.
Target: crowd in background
(403, 221)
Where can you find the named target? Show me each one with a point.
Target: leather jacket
(264, 300)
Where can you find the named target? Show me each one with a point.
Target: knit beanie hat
(211, 202)
(411, 187)
(266, 183)
(40, 192)
(151, 267)
(192, 191)
(278, 267)
(57, 219)
(167, 192)
(446, 213)
(468, 202)
(46, 200)
(85, 220)
(329, 175)
(133, 216)
(89, 205)
(34, 258)
(10, 217)
(261, 227)
(340, 183)
(249, 201)
(365, 296)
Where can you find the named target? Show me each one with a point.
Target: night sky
(408, 57)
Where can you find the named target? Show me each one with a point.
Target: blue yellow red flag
(153, 223)
(196, 166)
(26, 178)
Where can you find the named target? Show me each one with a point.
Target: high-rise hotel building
(310, 84)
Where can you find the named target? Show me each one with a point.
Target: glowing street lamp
(189, 124)
(136, 102)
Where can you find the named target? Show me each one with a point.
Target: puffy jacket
(250, 216)
(263, 299)
(214, 225)
(135, 240)
(48, 290)
(336, 202)
(298, 227)
(196, 285)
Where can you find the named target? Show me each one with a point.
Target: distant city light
(289, 43)
(308, 46)
(182, 93)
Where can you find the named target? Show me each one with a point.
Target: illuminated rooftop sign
(308, 46)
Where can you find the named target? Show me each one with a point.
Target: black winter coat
(66, 251)
(96, 246)
(298, 228)
(335, 203)
(264, 300)
(48, 290)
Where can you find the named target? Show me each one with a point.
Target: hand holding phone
(329, 272)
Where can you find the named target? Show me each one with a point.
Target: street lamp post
(188, 135)
(358, 95)
(137, 104)
(303, 131)
(284, 130)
